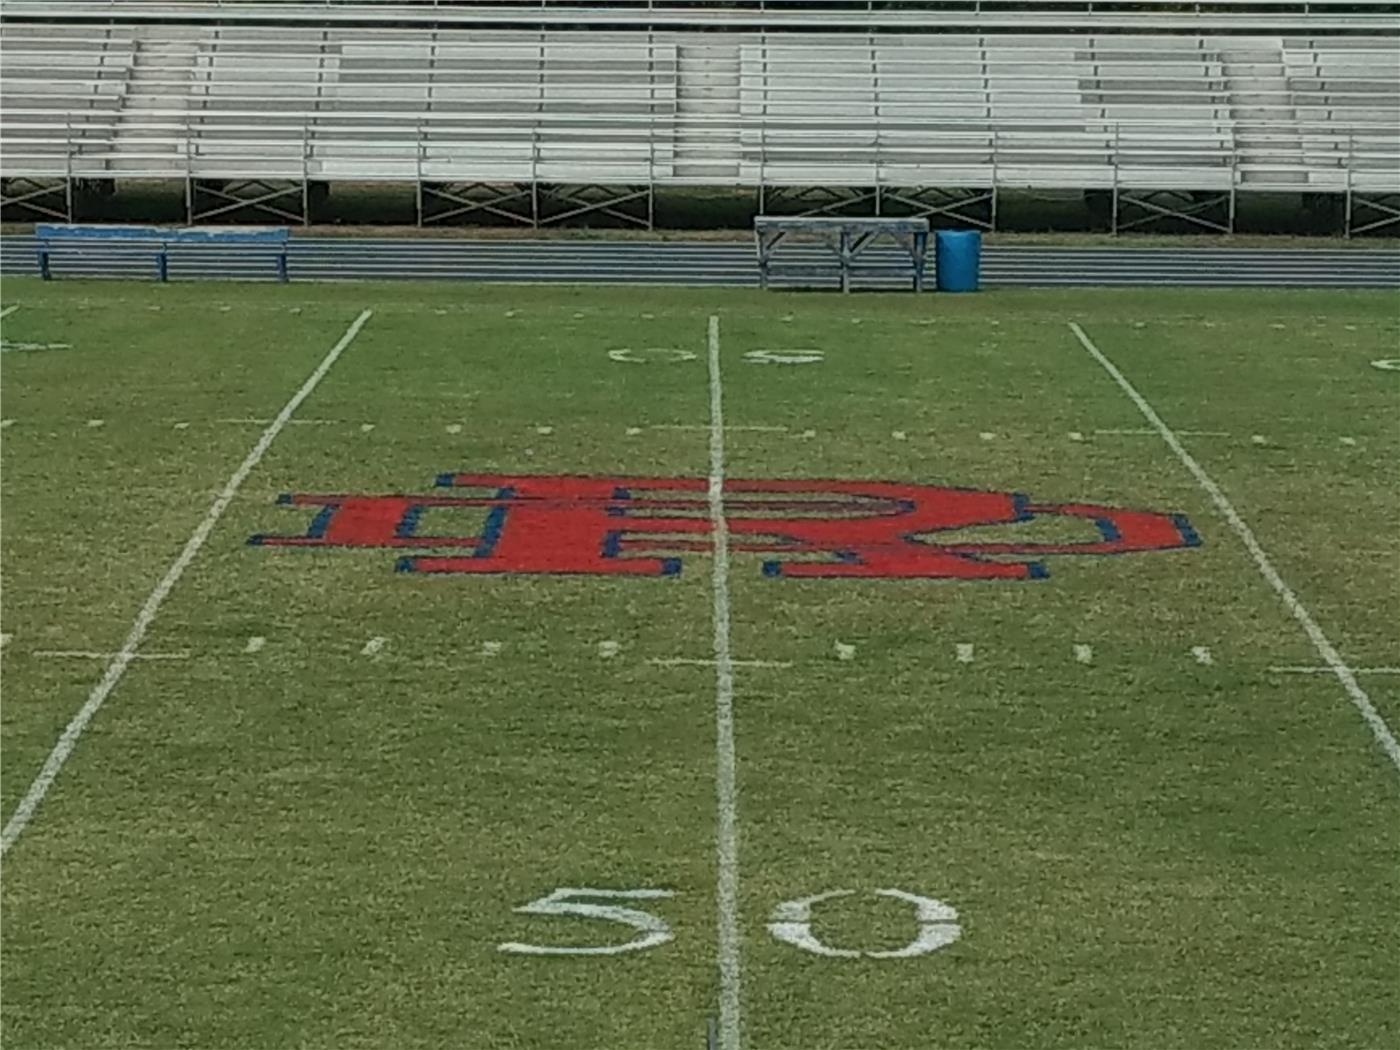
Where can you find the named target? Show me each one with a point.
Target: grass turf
(308, 846)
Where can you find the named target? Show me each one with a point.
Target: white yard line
(91, 654)
(1149, 432)
(1344, 674)
(1332, 670)
(8, 310)
(680, 661)
(707, 426)
(24, 812)
(726, 782)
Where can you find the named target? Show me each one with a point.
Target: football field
(399, 666)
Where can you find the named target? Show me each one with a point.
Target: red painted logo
(619, 526)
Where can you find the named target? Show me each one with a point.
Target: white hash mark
(1084, 653)
(374, 646)
(964, 652)
(1202, 654)
(255, 643)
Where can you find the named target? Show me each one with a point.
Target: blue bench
(136, 247)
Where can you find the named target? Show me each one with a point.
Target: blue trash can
(957, 259)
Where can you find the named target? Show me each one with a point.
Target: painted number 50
(791, 923)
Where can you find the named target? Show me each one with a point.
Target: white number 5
(651, 930)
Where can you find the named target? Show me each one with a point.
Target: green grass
(310, 847)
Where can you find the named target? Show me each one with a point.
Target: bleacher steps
(159, 82)
(1266, 120)
(707, 111)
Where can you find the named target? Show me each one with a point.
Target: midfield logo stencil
(623, 526)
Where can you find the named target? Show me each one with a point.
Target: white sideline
(24, 812)
(1344, 674)
(726, 786)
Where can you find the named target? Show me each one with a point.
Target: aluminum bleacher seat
(460, 101)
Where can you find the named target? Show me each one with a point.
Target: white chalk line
(1344, 674)
(1332, 670)
(1149, 432)
(681, 661)
(8, 310)
(726, 780)
(24, 812)
(708, 427)
(249, 421)
(92, 654)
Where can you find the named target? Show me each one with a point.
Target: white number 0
(651, 930)
(938, 926)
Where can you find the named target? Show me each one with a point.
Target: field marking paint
(651, 929)
(255, 644)
(95, 422)
(809, 434)
(7, 422)
(8, 310)
(707, 427)
(1084, 654)
(1202, 654)
(24, 812)
(453, 428)
(1149, 432)
(965, 652)
(251, 421)
(783, 357)
(1258, 439)
(633, 431)
(791, 923)
(726, 780)
(365, 428)
(1387, 364)
(1344, 674)
(900, 435)
(1332, 670)
(663, 354)
(844, 651)
(490, 648)
(1075, 435)
(90, 654)
(8, 347)
(5, 639)
(546, 431)
(1347, 441)
(182, 426)
(987, 435)
(607, 650)
(681, 661)
(374, 646)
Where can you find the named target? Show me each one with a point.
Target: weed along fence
(251, 253)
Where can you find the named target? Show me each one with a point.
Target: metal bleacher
(543, 111)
